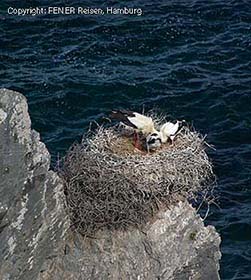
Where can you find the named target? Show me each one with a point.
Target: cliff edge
(36, 241)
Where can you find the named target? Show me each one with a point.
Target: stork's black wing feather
(122, 115)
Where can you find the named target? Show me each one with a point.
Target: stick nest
(110, 184)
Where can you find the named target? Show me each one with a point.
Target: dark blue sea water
(189, 59)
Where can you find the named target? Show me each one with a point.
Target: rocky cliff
(36, 241)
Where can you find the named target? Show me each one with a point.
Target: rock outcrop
(36, 241)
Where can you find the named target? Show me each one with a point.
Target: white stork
(138, 122)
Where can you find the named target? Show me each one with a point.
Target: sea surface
(187, 59)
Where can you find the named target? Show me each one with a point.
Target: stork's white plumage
(143, 123)
(169, 130)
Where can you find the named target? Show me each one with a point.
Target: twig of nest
(110, 184)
